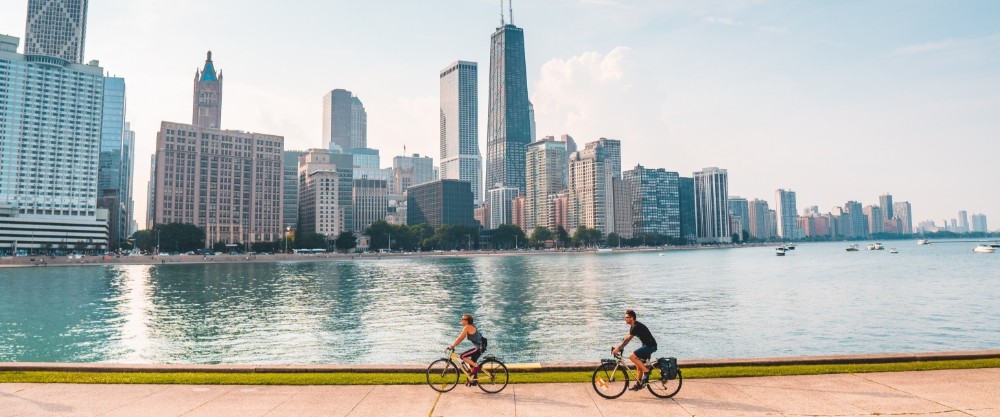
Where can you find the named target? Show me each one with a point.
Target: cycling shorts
(645, 352)
(472, 354)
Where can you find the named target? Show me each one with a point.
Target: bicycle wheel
(442, 375)
(610, 380)
(661, 387)
(492, 376)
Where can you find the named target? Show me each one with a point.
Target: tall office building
(547, 172)
(364, 157)
(459, 127)
(508, 127)
(326, 193)
(128, 177)
(570, 145)
(613, 150)
(739, 209)
(345, 122)
(422, 170)
(711, 200)
(50, 109)
(885, 203)
(963, 221)
(440, 202)
(371, 202)
(290, 190)
(757, 214)
(501, 200)
(207, 109)
(656, 208)
(787, 214)
(531, 120)
(873, 214)
(110, 175)
(854, 216)
(56, 28)
(689, 229)
(151, 193)
(591, 190)
(979, 223)
(622, 216)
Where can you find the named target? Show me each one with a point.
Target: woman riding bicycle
(470, 332)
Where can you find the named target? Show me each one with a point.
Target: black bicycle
(444, 374)
(611, 378)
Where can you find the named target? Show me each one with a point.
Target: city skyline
(838, 179)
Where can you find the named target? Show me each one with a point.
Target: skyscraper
(460, 158)
(290, 192)
(207, 109)
(345, 122)
(963, 221)
(128, 175)
(326, 193)
(873, 214)
(547, 172)
(440, 202)
(689, 229)
(371, 202)
(591, 190)
(739, 208)
(411, 170)
(500, 200)
(110, 175)
(711, 200)
(655, 201)
(787, 214)
(56, 28)
(757, 212)
(979, 223)
(885, 203)
(508, 127)
(855, 223)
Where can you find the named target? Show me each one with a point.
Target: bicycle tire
(493, 376)
(664, 388)
(606, 380)
(442, 375)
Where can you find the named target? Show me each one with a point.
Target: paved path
(931, 393)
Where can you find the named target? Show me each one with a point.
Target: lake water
(721, 303)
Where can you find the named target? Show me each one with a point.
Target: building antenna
(510, 3)
(502, 24)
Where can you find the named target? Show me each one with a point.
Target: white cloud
(922, 47)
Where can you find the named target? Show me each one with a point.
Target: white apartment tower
(547, 171)
(460, 159)
(591, 193)
(326, 193)
(711, 205)
(787, 214)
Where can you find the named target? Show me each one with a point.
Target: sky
(837, 101)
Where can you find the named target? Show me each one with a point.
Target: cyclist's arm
(461, 337)
(625, 342)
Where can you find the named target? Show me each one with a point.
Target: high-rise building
(151, 193)
(345, 122)
(547, 171)
(757, 214)
(711, 200)
(979, 223)
(50, 109)
(531, 120)
(517, 213)
(326, 193)
(885, 203)
(558, 211)
(439, 203)
(364, 157)
(591, 190)
(787, 214)
(56, 28)
(570, 145)
(482, 215)
(508, 127)
(371, 202)
(500, 200)
(613, 150)
(128, 177)
(689, 228)
(110, 175)
(873, 215)
(207, 109)
(856, 225)
(963, 221)
(622, 215)
(460, 158)
(290, 190)
(655, 201)
(422, 170)
(739, 208)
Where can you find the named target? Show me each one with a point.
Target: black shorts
(645, 352)
(472, 354)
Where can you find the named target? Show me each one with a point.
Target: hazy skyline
(836, 101)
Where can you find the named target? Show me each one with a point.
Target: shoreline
(871, 359)
(63, 261)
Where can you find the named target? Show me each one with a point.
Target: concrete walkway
(932, 393)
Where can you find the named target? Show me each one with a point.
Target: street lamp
(390, 242)
(470, 242)
(288, 229)
(157, 242)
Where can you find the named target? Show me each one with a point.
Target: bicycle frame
(456, 358)
(620, 363)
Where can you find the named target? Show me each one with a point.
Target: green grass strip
(409, 379)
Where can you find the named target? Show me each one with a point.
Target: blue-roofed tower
(207, 111)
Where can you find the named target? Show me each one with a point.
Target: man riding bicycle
(641, 354)
(469, 331)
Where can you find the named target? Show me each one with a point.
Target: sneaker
(638, 386)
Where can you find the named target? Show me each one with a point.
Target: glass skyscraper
(345, 122)
(460, 159)
(111, 192)
(656, 205)
(56, 28)
(508, 128)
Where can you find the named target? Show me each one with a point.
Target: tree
(614, 239)
(509, 236)
(346, 241)
(178, 237)
(378, 234)
(261, 247)
(539, 236)
(586, 237)
(563, 236)
(145, 240)
(311, 241)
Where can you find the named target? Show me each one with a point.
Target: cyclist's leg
(639, 357)
(470, 357)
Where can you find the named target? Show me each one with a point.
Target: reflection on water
(711, 303)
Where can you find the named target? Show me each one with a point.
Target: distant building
(570, 145)
(207, 108)
(326, 193)
(112, 185)
(624, 221)
(711, 199)
(558, 211)
(963, 221)
(421, 170)
(873, 216)
(364, 157)
(613, 150)
(853, 220)
(385, 174)
(689, 229)
(56, 28)
(517, 213)
(590, 187)
(345, 122)
(901, 211)
(885, 203)
(460, 158)
(440, 202)
(371, 202)
(290, 192)
(500, 200)
(787, 214)
(757, 213)
(979, 223)
(547, 172)
(508, 127)
(482, 215)
(396, 211)
(739, 208)
(655, 201)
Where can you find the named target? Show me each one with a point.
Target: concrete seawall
(524, 367)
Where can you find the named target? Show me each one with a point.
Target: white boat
(923, 242)
(995, 245)
(790, 246)
(878, 246)
(780, 251)
(852, 248)
(893, 250)
(984, 249)
(661, 254)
